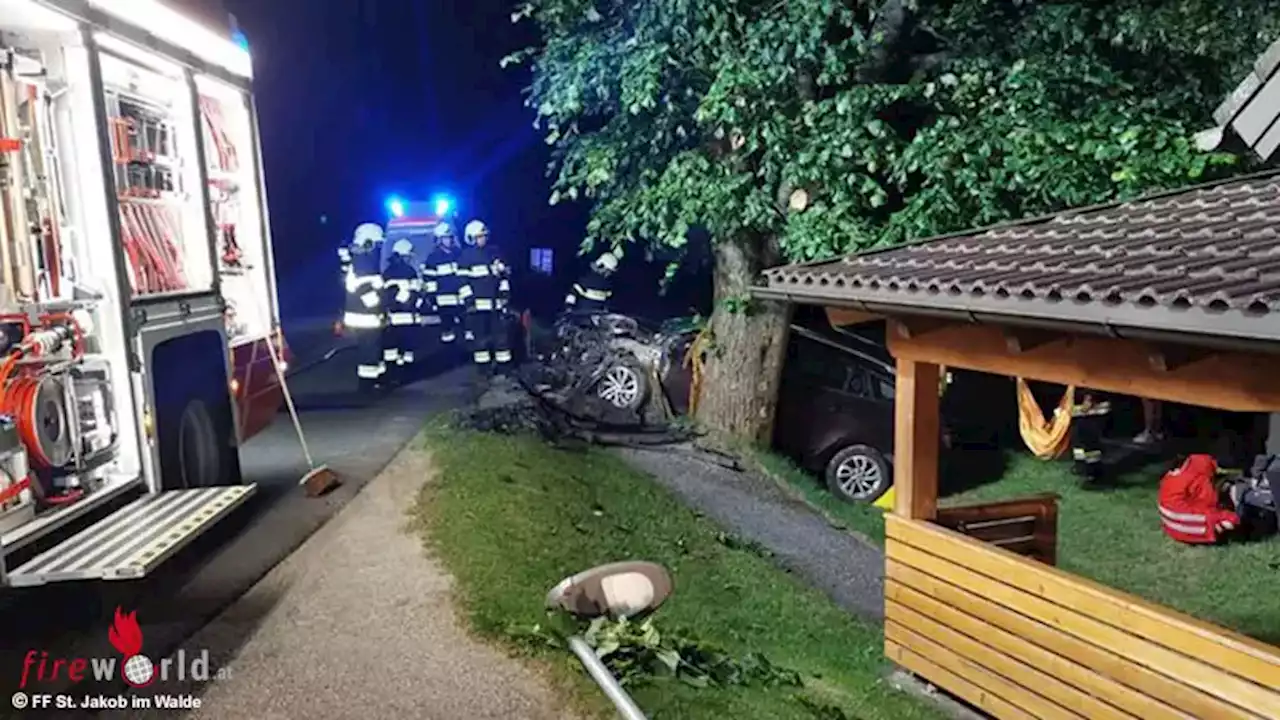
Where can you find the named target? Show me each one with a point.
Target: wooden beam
(914, 327)
(1023, 340)
(1167, 358)
(843, 317)
(916, 432)
(1236, 381)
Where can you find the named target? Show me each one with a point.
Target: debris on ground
(602, 379)
(511, 408)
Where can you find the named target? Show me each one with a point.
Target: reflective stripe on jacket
(363, 279)
(401, 289)
(590, 293)
(1188, 502)
(480, 281)
(362, 320)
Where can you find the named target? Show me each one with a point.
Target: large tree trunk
(739, 390)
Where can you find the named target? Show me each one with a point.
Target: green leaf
(669, 658)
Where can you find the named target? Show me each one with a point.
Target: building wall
(211, 13)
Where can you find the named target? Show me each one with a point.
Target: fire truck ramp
(135, 539)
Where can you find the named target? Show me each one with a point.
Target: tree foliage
(798, 129)
(896, 119)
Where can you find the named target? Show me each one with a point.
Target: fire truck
(140, 342)
(416, 220)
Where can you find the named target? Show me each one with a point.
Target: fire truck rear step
(135, 539)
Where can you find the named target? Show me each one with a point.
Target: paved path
(849, 570)
(359, 623)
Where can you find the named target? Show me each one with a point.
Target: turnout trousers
(490, 347)
(370, 366)
(397, 347)
(450, 324)
(1088, 427)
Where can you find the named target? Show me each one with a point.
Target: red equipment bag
(1188, 500)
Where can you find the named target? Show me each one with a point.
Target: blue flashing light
(240, 39)
(443, 205)
(395, 206)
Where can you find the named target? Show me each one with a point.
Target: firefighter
(363, 314)
(591, 293)
(441, 305)
(1088, 426)
(484, 293)
(401, 291)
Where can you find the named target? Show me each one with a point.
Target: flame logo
(137, 670)
(124, 634)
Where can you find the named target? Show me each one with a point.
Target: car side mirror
(623, 589)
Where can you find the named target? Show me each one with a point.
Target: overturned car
(613, 369)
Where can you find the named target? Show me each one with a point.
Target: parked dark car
(835, 409)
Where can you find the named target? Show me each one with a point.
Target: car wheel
(622, 387)
(858, 473)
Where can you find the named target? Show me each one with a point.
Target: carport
(1174, 297)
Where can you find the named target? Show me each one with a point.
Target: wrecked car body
(613, 370)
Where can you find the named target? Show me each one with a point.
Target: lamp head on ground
(624, 589)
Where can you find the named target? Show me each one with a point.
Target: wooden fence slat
(1129, 685)
(975, 673)
(1122, 701)
(1071, 701)
(932, 672)
(1213, 645)
(1209, 680)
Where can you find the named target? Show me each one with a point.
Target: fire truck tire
(194, 457)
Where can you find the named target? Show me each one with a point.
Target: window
(819, 366)
(859, 384)
(541, 260)
(886, 386)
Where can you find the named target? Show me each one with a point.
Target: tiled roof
(1208, 249)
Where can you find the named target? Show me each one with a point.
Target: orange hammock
(1048, 438)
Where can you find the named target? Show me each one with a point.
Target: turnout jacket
(363, 281)
(484, 282)
(401, 290)
(590, 294)
(440, 278)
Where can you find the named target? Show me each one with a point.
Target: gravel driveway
(846, 568)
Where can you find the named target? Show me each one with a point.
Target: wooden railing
(1025, 526)
(1021, 639)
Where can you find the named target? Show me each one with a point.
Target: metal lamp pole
(608, 683)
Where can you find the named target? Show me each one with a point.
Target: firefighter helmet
(443, 230)
(475, 229)
(403, 247)
(607, 262)
(367, 234)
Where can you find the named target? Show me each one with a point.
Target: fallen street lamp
(620, 590)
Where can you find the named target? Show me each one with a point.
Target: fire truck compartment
(139, 324)
(135, 539)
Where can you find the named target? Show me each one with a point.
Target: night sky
(362, 99)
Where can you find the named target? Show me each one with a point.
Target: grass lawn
(1113, 536)
(511, 516)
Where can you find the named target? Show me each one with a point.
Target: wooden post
(916, 435)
